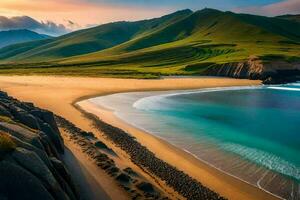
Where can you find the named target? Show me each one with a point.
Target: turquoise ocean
(252, 133)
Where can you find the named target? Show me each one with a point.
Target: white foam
(265, 159)
(141, 103)
(284, 88)
(294, 84)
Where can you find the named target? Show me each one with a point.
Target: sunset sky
(76, 14)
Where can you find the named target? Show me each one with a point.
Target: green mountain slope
(17, 36)
(238, 34)
(182, 43)
(286, 28)
(295, 18)
(89, 40)
(17, 49)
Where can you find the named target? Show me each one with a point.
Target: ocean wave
(294, 84)
(146, 103)
(265, 159)
(284, 88)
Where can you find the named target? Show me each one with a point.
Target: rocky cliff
(30, 154)
(270, 72)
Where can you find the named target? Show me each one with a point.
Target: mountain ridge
(290, 17)
(10, 37)
(170, 45)
(96, 38)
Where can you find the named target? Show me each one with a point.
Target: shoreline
(59, 93)
(111, 118)
(90, 107)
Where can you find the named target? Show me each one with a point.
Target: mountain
(18, 36)
(295, 18)
(183, 43)
(205, 42)
(90, 40)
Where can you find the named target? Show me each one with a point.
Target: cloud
(25, 22)
(82, 12)
(280, 8)
(72, 25)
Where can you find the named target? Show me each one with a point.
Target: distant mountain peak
(9, 37)
(295, 18)
(22, 31)
(179, 12)
(209, 10)
(289, 15)
(184, 11)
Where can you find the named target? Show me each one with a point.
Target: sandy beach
(59, 94)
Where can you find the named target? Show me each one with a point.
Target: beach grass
(6, 144)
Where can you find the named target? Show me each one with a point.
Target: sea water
(256, 125)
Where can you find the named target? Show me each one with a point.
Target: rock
(54, 137)
(28, 105)
(22, 133)
(4, 112)
(64, 178)
(3, 95)
(46, 116)
(67, 180)
(270, 72)
(112, 170)
(26, 119)
(269, 81)
(129, 171)
(105, 148)
(101, 145)
(18, 183)
(87, 134)
(251, 69)
(48, 145)
(42, 154)
(30, 161)
(146, 187)
(277, 79)
(123, 178)
(7, 145)
(32, 169)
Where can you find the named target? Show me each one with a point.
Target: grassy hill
(11, 37)
(88, 40)
(184, 43)
(295, 18)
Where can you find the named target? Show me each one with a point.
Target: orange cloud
(78, 11)
(279, 8)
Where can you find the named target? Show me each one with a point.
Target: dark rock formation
(17, 183)
(123, 178)
(100, 153)
(271, 72)
(105, 148)
(130, 172)
(146, 187)
(30, 149)
(283, 77)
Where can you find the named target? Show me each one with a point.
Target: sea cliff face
(270, 72)
(30, 154)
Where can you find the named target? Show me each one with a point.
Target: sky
(56, 17)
